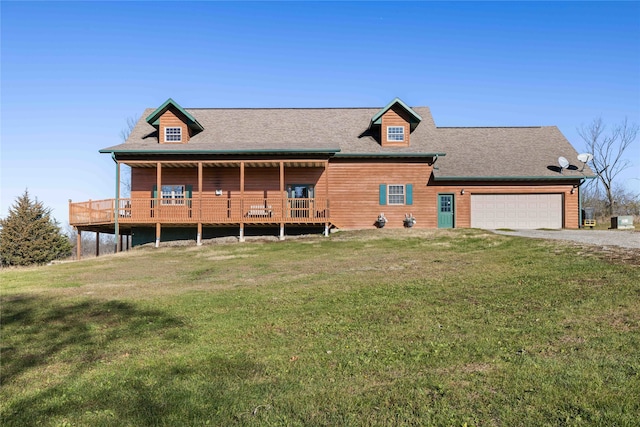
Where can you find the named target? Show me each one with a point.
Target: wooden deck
(208, 211)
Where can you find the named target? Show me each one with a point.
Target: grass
(403, 327)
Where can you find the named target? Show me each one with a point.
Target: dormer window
(397, 120)
(174, 125)
(173, 134)
(395, 133)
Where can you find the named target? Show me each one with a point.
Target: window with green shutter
(396, 194)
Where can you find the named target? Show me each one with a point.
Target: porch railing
(210, 210)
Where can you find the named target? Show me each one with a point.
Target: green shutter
(155, 191)
(409, 190)
(383, 194)
(189, 189)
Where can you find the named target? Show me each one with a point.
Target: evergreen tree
(29, 235)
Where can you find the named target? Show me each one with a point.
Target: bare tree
(125, 174)
(608, 152)
(131, 123)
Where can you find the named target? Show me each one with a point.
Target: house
(197, 173)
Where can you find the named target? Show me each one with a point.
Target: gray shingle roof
(469, 152)
(505, 152)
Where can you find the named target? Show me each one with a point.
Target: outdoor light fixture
(462, 192)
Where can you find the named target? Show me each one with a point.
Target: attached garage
(516, 211)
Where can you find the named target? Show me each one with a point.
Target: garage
(516, 211)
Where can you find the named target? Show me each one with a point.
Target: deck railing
(215, 210)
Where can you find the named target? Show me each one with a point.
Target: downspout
(433, 163)
(580, 219)
(117, 204)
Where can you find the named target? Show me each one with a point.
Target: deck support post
(281, 231)
(199, 236)
(326, 229)
(241, 238)
(79, 244)
(97, 243)
(158, 230)
(116, 208)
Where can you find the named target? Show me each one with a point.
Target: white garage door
(517, 211)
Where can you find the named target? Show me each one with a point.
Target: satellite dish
(564, 163)
(585, 157)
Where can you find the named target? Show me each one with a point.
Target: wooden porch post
(97, 243)
(157, 201)
(79, 244)
(199, 236)
(284, 203)
(241, 201)
(158, 187)
(326, 198)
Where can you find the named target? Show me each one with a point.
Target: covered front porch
(232, 193)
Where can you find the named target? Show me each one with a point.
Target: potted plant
(409, 220)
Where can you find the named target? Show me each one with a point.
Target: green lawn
(384, 327)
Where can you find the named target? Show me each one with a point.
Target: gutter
(509, 178)
(416, 155)
(268, 151)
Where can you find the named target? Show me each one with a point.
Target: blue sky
(72, 73)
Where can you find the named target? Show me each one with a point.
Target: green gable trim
(415, 117)
(154, 118)
(274, 151)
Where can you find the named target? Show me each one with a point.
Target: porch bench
(259, 211)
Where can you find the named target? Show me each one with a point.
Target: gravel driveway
(621, 238)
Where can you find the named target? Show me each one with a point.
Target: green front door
(445, 211)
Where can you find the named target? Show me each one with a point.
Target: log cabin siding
(143, 180)
(258, 181)
(354, 193)
(315, 176)
(170, 119)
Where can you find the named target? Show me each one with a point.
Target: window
(173, 134)
(396, 195)
(395, 133)
(173, 194)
